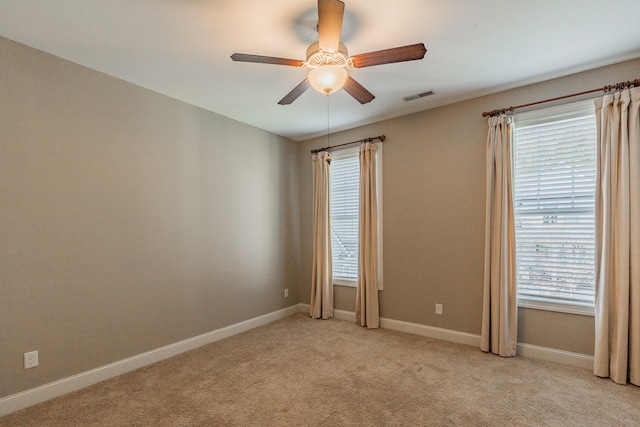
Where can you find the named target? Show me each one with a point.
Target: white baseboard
(57, 388)
(431, 332)
(349, 316)
(547, 354)
(526, 350)
(410, 328)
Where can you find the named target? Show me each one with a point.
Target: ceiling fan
(328, 58)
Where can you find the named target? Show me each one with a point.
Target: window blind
(344, 181)
(554, 202)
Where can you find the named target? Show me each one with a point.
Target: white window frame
(576, 109)
(354, 152)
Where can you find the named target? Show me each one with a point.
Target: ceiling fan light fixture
(329, 60)
(328, 78)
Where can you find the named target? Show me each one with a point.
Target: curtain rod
(379, 137)
(617, 86)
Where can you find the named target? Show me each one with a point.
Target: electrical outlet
(31, 359)
(438, 308)
(286, 293)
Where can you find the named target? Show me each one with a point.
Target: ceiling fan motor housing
(317, 57)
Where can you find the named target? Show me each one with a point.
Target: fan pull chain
(328, 120)
(328, 145)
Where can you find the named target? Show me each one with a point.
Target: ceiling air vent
(418, 96)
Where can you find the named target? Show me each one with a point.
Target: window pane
(554, 194)
(344, 193)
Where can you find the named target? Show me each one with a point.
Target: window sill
(351, 284)
(561, 307)
(344, 282)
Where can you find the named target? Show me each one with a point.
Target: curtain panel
(617, 311)
(499, 313)
(321, 278)
(367, 307)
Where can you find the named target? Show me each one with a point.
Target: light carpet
(303, 372)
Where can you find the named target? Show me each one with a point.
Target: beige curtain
(617, 349)
(499, 313)
(367, 309)
(321, 278)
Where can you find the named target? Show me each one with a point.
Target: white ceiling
(181, 48)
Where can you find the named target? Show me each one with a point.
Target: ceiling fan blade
(330, 14)
(243, 57)
(295, 93)
(387, 56)
(358, 91)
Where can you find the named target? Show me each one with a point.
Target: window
(344, 189)
(344, 181)
(554, 203)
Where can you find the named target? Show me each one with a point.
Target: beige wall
(130, 220)
(433, 175)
